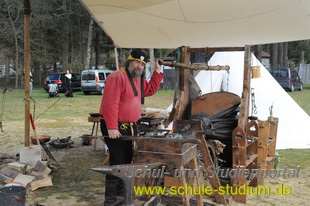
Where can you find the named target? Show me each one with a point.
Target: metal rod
(130, 138)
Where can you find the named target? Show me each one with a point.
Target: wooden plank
(12, 173)
(213, 179)
(251, 159)
(39, 167)
(38, 175)
(271, 148)
(41, 183)
(252, 148)
(196, 180)
(5, 179)
(157, 145)
(170, 159)
(24, 179)
(239, 160)
(17, 166)
(263, 134)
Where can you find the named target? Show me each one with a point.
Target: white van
(93, 80)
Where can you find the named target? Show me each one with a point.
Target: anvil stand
(122, 172)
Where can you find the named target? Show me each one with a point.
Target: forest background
(63, 34)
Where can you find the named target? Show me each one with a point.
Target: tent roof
(201, 23)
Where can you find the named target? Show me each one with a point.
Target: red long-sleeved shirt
(119, 104)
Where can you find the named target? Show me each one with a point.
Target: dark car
(288, 78)
(58, 78)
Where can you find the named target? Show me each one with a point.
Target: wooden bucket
(255, 71)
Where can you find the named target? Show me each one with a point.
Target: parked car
(288, 78)
(3, 71)
(94, 80)
(58, 78)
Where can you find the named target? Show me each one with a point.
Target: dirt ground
(74, 184)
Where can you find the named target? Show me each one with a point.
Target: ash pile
(167, 134)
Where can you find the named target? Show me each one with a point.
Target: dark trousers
(120, 151)
(69, 92)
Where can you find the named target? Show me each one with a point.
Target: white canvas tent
(293, 120)
(201, 23)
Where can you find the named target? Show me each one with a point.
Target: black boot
(110, 192)
(120, 188)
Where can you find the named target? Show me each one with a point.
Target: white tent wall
(293, 120)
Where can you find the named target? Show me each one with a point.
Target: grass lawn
(302, 98)
(80, 105)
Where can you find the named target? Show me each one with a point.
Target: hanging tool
(254, 108)
(271, 110)
(2, 108)
(48, 152)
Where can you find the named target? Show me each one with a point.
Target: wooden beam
(221, 49)
(182, 95)
(195, 67)
(239, 134)
(216, 49)
(245, 98)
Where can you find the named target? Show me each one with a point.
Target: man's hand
(157, 65)
(114, 133)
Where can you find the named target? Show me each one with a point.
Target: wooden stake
(27, 12)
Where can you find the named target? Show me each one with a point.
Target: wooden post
(27, 69)
(183, 97)
(239, 134)
(271, 150)
(263, 134)
(244, 107)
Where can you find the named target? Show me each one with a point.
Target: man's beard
(135, 75)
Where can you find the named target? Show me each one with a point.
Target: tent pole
(27, 12)
(116, 58)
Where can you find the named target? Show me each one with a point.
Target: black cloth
(67, 86)
(120, 151)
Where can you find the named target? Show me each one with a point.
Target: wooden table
(94, 132)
